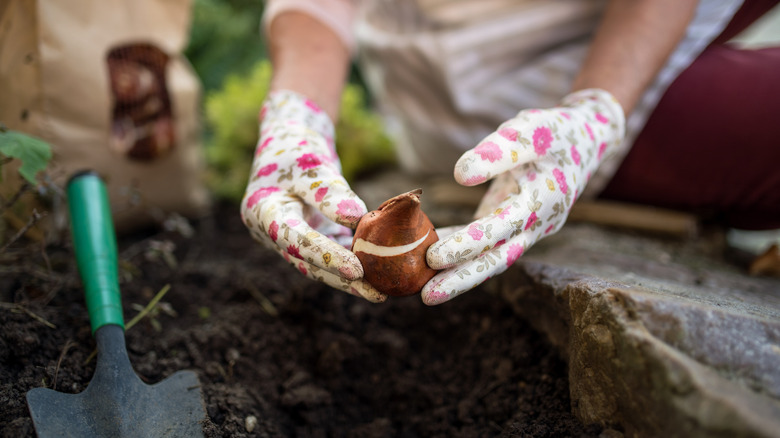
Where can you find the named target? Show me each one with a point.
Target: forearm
(308, 58)
(632, 44)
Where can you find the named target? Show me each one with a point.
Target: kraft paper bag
(106, 85)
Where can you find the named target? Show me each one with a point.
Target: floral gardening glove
(297, 202)
(539, 162)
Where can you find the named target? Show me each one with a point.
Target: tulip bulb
(391, 243)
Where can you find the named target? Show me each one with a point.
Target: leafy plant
(20, 199)
(225, 39)
(231, 116)
(33, 153)
(361, 141)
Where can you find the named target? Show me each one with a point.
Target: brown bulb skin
(391, 243)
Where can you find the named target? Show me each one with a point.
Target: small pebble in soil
(250, 423)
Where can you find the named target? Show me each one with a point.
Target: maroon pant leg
(712, 145)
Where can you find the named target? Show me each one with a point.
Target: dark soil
(302, 359)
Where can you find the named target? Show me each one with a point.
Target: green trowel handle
(94, 242)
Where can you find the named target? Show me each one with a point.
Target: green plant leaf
(32, 152)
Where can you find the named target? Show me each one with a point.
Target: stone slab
(662, 336)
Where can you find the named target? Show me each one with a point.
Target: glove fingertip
(432, 257)
(368, 292)
(433, 297)
(351, 271)
(470, 180)
(467, 170)
(434, 292)
(437, 262)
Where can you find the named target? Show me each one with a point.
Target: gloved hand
(297, 202)
(540, 162)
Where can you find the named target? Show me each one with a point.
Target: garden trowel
(116, 402)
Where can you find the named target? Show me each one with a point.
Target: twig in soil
(222, 372)
(16, 222)
(65, 349)
(148, 307)
(51, 294)
(38, 273)
(265, 304)
(45, 256)
(30, 223)
(22, 190)
(138, 317)
(18, 308)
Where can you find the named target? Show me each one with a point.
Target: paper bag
(106, 85)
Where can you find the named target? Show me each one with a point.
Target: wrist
(308, 58)
(328, 100)
(294, 107)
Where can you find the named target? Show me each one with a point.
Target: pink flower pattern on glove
(293, 251)
(542, 140)
(538, 162)
(474, 232)
(508, 133)
(308, 161)
(349, 208)
(514, 253)
(474, 180)
(489, 151)
(320, 195)
(575, 155)
(561, 178)
(267, 170)
(532, 218)
(602, 149)
(259, 194)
